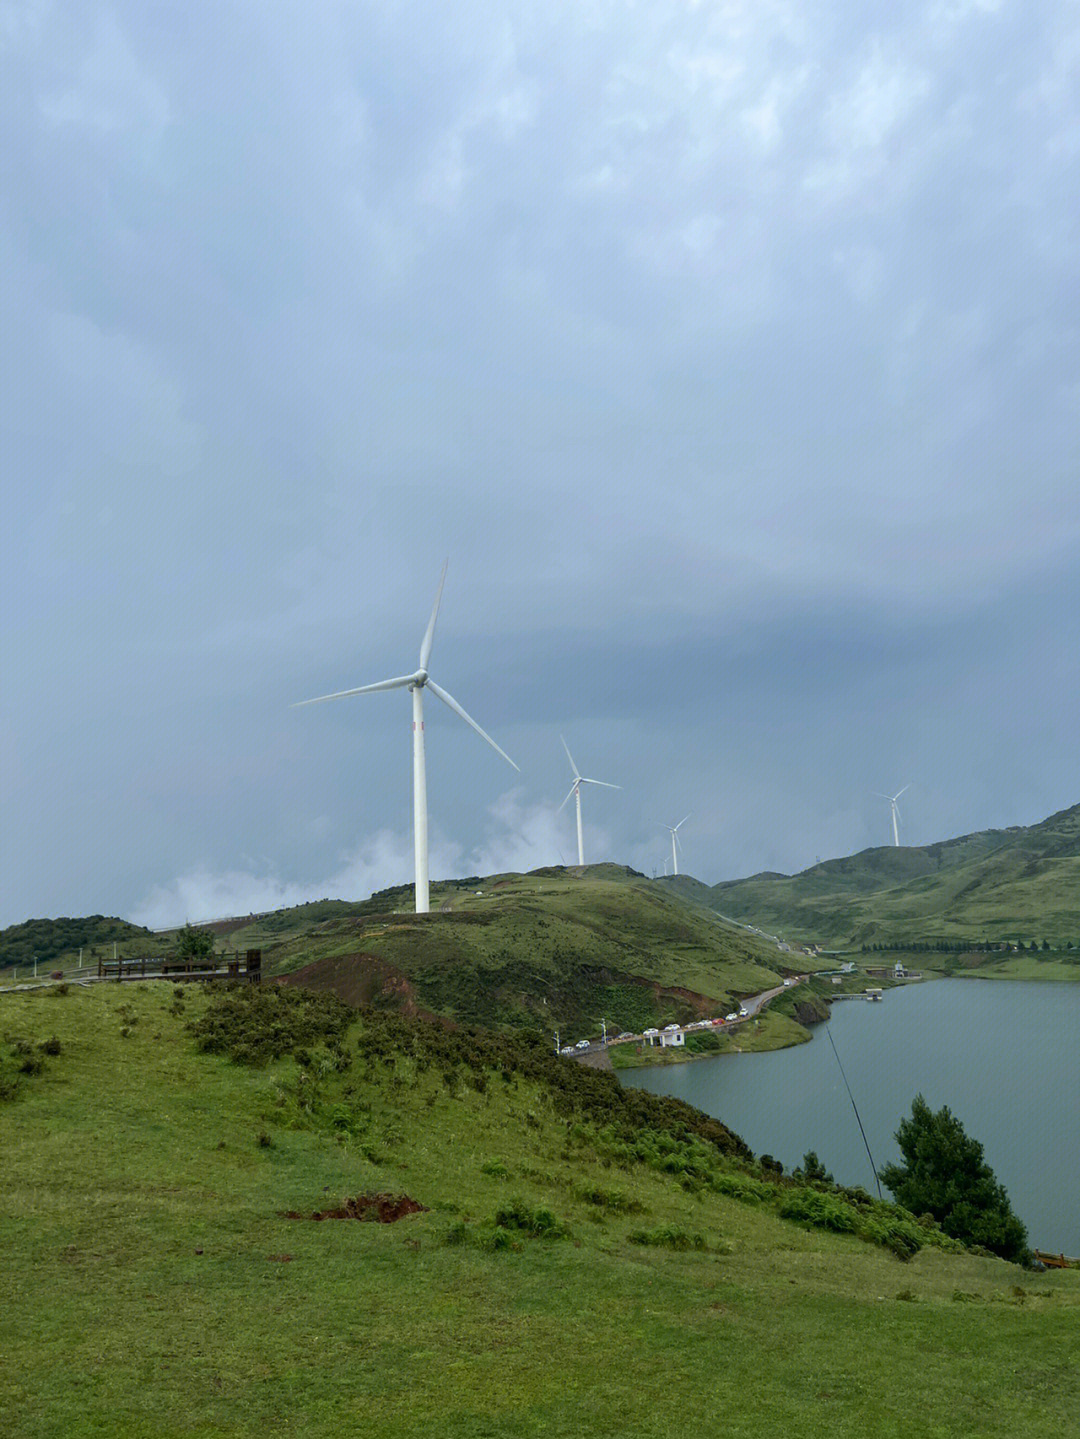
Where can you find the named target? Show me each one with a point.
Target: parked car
(669, 1027)
(731, 1017)
(789, 981)
(567, 1049)
(626, 1034)
(582, 1044)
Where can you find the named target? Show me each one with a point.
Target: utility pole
(80, 956)
(35, 966)
(556, 1041)
(603, 1031)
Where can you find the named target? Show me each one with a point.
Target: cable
(862, 1131)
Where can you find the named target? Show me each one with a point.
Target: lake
(1003, 1055)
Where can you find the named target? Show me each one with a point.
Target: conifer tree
(945, 1175)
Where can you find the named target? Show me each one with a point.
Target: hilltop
(1021, 883)
(557, 1256)
(554, 949)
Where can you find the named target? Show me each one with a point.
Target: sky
(729, 352)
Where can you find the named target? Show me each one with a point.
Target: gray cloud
(730, 351)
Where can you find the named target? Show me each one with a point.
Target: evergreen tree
(945, 1176)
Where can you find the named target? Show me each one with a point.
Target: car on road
(669, 1028)
(625, 1035)
(582, 1044)
(567, 1049)
(731, 1017)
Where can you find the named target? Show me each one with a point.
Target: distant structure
(676, 842)
(895, 811)
(575, 790)
(416, 683)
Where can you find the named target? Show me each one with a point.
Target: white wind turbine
(575, 790)
(417, 683)
(892, 798)
(675, 840)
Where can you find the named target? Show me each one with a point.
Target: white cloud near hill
(518, 838)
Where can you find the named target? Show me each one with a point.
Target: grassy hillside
(1021, 883)
(555, 949)
(55, 941)
(577, 1268)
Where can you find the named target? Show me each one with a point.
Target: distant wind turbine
(575, 790)
(676, 841)
(892, 798)
(417, 683)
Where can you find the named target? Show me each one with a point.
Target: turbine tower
(895, 809)
(575, 790)
(676, 841)
(417, 683)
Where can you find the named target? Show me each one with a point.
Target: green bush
(823, 1211)
(668, 1236)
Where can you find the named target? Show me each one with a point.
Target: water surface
(1003, 1055)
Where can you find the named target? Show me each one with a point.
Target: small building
(899, 972)
(672, 1038)
(652, 1035)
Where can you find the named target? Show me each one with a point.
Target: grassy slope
(126, 1156)
(1002, 884)
(551, 949)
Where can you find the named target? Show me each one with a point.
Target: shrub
(51, 1045)
(536, 1223)
(495, 1169)
(668, 1237)
(823, 1211)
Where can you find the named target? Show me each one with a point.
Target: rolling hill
(1013, 884)
(557, 949)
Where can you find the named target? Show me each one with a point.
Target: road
(752, 1005)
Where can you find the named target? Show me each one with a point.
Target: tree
(194, 943)
(946, 1177)
(813, 1170)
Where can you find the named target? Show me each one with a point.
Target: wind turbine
(892, 798)
(417, 683)
(575, 790)
(675, 840)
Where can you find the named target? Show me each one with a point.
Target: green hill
(1020, 883)
(53, 940)
(573, 1259)
(555, 949)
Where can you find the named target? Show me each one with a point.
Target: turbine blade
(429, 634)
(573, 787)
(452, 703)
(684, 819)
(570, 757)
(600, 781)
(899, 792)
(395, 684)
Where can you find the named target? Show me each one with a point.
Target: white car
(626, 1034)
(669, 1028)
(567, 1049)
(788, 982)
(582, 1044)
(731, 1017)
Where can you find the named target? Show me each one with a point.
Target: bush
(536, 1223)
(668, 1237)
(823, 1211)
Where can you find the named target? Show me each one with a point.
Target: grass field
(152, 1287)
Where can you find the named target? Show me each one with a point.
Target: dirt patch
(360, 979)
(373, 1208)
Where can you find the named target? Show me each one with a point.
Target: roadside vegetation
(544, 1253)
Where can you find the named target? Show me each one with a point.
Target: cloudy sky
(729, 349)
